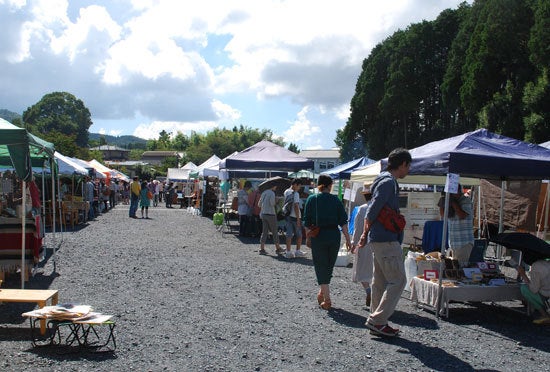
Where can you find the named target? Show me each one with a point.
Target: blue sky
(143, 66)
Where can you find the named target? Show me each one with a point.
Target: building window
(330, 164)
(322, 165)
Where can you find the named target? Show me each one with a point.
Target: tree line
(484, 65)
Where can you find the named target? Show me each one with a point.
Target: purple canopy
(266, 155)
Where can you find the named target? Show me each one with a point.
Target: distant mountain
(9, 115)
(120, 141)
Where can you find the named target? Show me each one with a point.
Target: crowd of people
(378, 265)
(322, 220)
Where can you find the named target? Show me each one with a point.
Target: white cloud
(225, 111)
(301, 130)
(155, 58)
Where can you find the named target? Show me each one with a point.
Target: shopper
(327, 212)
(389, 270)
(293, 221)
(269, 220)
(363, 263)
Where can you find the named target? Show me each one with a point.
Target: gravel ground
(189, 298)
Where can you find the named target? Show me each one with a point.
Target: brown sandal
(326, 305)
(320, 298)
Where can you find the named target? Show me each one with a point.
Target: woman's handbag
(312, 231)
(149, 195)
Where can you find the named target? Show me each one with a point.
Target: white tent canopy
(100, 168)
(69, 167)
(86, 165)
(210, 167)
(178, 174)
(189, 165)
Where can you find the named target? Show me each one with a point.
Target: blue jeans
(91, 214)
(134, 200)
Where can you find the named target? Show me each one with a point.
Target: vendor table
(85, 334)
(227, 225)
(40, 296)
(425, 293)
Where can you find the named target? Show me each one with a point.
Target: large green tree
(480, 65)
(536, 96)
(62, 119)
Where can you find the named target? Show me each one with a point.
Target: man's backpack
(289, 202)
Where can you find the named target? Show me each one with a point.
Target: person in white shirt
(269, 220)
(293, 219)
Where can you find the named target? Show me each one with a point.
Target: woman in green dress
(144, 200)
(328, 213)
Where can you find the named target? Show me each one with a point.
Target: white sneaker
(299, 253)
(289, 254)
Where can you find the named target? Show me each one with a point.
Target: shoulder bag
(313, 230)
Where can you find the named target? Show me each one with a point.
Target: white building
(322, 159)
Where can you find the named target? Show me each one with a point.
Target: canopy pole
(501, 216)
(546, 212)
(23, 230)
(479, 211)
(443, 248)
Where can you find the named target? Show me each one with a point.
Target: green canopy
(22, 149)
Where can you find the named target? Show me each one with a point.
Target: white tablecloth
(425, 292)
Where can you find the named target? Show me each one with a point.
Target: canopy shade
(189, 165)
(343, 171)
(69, 167)
(303, 174)
(87, 166)
(477, 154)
(22, 149)
(208, 168)
(178, 174)
(481, 154)
(266, 155)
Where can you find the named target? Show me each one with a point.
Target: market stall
(22, 150)
(477, 154)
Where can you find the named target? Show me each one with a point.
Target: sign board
(451, 184)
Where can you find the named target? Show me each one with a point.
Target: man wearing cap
(363, 264)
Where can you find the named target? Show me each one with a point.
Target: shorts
(292, 228)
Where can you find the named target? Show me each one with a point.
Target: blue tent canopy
(481, 154)
(343, 171)
(266, 155)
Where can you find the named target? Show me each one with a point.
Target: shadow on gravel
(499, 321)
(69, 353)
(346, 318)
(432, 357)
(15, 334)
(415, 320)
